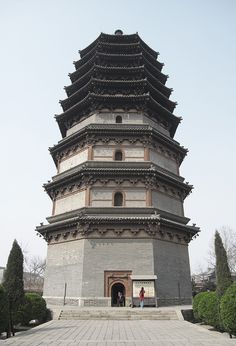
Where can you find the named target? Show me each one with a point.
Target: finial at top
(118, 32)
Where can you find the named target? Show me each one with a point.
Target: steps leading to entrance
(119, 314)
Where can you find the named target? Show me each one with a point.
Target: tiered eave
(118, 72)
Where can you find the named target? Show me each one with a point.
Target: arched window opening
(119, 119)
(118, 155)
(118, 199)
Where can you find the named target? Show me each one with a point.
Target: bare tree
(34, 273)
(201, 273)
(228, 236)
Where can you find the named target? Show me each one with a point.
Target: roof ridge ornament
(118, 32)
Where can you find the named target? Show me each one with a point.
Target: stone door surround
(113, 276)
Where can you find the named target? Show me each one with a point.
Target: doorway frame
(118, 276)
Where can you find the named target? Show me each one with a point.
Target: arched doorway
(117, 287)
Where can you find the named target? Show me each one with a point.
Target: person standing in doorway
(120, 299)
(141, 297)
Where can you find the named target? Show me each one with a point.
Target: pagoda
(118, 221)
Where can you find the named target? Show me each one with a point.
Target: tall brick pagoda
(118, 221)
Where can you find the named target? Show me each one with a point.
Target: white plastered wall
(103, 198)
(73, 161)
(102, 153)
(70, 202)
(81, 124)
(110, 118)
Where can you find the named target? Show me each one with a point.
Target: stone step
(173, 316)
(69, 312)
(116, 311)
(118, 315)
(127, 318)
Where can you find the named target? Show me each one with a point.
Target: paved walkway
(120, 333)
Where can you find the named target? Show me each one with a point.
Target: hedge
(208, 309)
(4, 310)
(196, 301)
(228, 309)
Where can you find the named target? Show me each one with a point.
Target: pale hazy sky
(39, 41)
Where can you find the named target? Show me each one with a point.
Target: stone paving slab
(119, 333)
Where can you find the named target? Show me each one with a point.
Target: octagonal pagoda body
(118, 220)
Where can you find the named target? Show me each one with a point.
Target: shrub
(4, 310)
(208, 309)
(33, 307)
(228, 309)
(23, 313)
(196, 301)
(38, 306)
(48, 316)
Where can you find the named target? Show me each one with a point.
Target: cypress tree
(223, 276)
(13, 280)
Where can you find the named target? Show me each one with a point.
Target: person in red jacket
(141, 297)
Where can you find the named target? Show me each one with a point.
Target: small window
(118, 155)
(118, 199)
(119, 119)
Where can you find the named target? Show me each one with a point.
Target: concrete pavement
(120, 333)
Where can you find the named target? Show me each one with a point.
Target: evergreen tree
(4, 310)
(223, 276)
(13, 280)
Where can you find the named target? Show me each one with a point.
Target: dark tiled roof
(117, 61)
